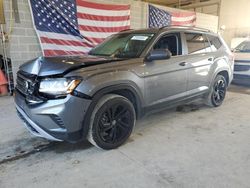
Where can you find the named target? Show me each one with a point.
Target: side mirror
(158, 54)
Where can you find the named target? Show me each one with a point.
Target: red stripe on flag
(61, 52)
(64, 42)
(102, 6)
(180, 23)
(102, 18)
(95, 40)
(188, 18)
(102, 29)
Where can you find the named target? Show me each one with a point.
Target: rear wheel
(112, 122)
(218, 91)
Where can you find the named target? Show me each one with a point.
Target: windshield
(243, 47)
(123, 45)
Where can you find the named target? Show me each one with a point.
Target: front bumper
(242, 72)
(57, 119)
(33, 127)
(241, 79)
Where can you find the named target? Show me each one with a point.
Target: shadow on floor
(239, 89)
(64, 147)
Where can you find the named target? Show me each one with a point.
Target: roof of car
(156, 30)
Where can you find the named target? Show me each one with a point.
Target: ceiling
(176, 3)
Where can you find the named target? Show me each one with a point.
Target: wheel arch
(220, 71)
(222, 67)
(125, 90)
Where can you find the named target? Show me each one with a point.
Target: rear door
(199, 60)
(166, 80)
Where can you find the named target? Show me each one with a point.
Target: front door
(166, 80)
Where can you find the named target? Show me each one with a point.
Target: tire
(112, 122)
(217, 92)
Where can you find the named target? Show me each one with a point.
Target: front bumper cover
(33, 127)
(242, 79)
(57, 119)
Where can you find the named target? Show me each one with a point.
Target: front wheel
(112, 122)
(218, 91)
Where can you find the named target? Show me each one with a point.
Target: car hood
(49, 66)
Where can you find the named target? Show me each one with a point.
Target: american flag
(71, 27)
(159, 18)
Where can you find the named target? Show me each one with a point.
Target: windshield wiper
(95, 54)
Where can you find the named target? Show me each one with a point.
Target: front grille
(25, 83)
(238, 76)
(241, 67)
(242, 61)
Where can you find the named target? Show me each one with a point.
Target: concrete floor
(205, 147)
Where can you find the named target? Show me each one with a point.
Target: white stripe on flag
(103, 23)
(100, 12)
(182, 19)
(90, 34)
(58, 36)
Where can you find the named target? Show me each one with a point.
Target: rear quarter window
(214, 42)
(197, 43)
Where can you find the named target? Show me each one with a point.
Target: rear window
(215, 42)
(197, 43)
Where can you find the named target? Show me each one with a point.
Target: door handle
(183, 63)
(210, 59)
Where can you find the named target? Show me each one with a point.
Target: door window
(197, 43)
(170, 42)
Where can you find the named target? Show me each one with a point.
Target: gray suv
(99, 96)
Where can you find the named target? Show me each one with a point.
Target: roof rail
(186, 27)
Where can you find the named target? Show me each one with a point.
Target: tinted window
(197, 43)
(215, 42)
(170, 42)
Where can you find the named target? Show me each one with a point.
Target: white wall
(208, 9)
(235, 15)
(23, 44)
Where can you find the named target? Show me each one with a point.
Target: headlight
(58, 86)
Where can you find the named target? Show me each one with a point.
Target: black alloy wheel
(113, 122)
(218, 91)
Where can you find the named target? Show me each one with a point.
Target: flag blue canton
(158, 17)
(57, 16)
